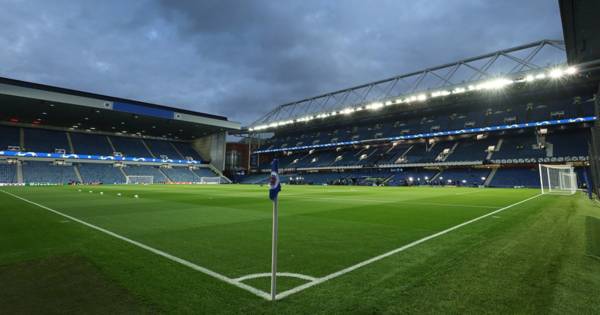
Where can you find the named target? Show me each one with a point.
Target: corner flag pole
(274, 189)
(274, 252)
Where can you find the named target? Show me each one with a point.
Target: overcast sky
(242, 58)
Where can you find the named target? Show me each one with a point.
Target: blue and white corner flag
(274, 184)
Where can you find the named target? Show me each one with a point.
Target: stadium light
(494, 84)
(556, 73)
(374, 106)
(347, 111)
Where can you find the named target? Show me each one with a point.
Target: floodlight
(410, 179)
(459, 90)
(571, 70)
(556, 73)
(464, 181)
(482, 178)
(529, 78)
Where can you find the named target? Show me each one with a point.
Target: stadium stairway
(169, 180)
(490, 177)
(77, 173)
(177, 150)
(70, 142)
(112, 146)
(148, 148)
(20, 173)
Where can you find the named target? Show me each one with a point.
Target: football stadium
(466, 187)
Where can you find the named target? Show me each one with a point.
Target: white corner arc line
(392, 252)
(181, 261)
(279, 274)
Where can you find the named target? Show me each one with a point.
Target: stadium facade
(482, 121)
(52, 135)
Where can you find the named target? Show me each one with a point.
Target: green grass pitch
(529, 258)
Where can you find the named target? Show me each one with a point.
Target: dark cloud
(242, 58)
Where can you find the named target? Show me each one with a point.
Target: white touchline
(184, 262)
(392, 252)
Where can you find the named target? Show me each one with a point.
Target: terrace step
(148, 148)
(71, 147)
(76, 168)
(490, 177)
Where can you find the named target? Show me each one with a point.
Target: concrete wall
(212, 148)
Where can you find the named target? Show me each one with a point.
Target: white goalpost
(558, 179)
(210, 180)
(137, 179)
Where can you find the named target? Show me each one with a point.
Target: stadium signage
(440, 133)
(94, 157)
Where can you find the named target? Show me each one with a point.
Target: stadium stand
(146, 170)
(130, 147)
(491, 116)
(463, 176)
(8, 173)
(516, 177)
(41, 140)
(96, 173)
(9, 137)
(186, 150)
(46, 173)
(161, 148)
(90, 144)
(181, 174)
(204, 172)
(447, 144)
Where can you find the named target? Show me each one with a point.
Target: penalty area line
(159, 252)
(392, 252)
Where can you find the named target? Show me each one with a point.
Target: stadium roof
(35, 104)
(485, 71)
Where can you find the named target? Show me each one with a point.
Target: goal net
(136, 179)
(210, 180)
(558, 179)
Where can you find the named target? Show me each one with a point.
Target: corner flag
(274, 184)
(274, 189)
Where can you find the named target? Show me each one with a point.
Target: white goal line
(260, 293)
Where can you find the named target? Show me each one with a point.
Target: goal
(136, 179)
(210, 180)
(558, 179)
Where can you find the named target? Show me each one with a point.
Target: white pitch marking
(399, 202)
(392, 252)
(279, 274)
(184, 262)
